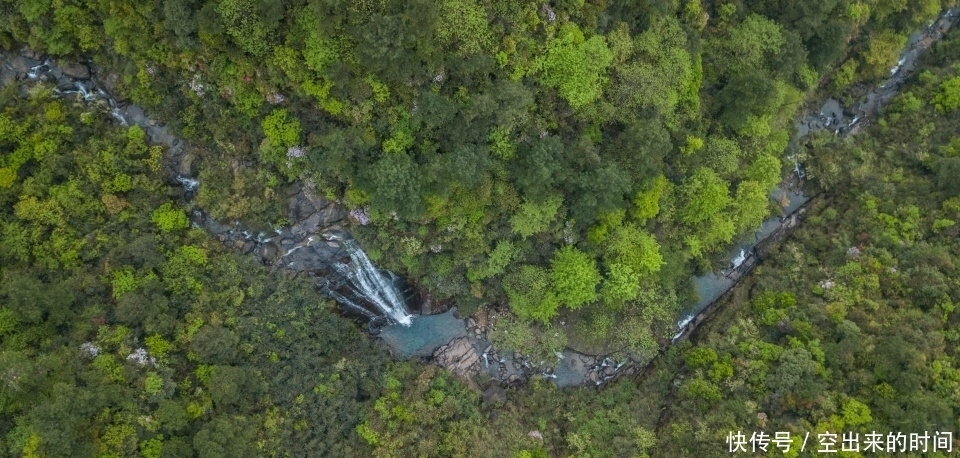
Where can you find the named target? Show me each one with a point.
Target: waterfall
(682, 326)
(189, 184)
(366, 282)
(737, 261)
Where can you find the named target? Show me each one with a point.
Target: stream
(318, 245)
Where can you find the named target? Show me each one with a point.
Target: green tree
(621, 284)
(749, 96)
(249, 24)
(646, 204)
(530, 295)
(281, 129)
(748, 46)
(575, 276)
(947, 98)
(704, 195)
(630, 246)
(498, 259)
(750, 205)
(575, 66)
(226, 437)
(462, 24)
(659, 71)
(215, 344)
(722, 155)
(535, 217)
(882, 52)
(394, 182)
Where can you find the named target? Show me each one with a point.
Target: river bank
(458, 343)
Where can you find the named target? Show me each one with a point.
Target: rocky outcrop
(459, 357)
(75, 70)
(494, 395)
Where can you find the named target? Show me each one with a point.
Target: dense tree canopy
(566, 165)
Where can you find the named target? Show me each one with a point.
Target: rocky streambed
(305, 246)
(461, 345)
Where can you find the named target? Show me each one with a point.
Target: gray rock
(75, 70)
(185, 167)
(459, 357)
(7, 76)
(494, 395)
(109, 82)
(29, 53)
(22, 65)
(293, 189)
(268, 252)
(248, 247)
(331, 214)
(324, 252)
(311, 225)
(299, 208)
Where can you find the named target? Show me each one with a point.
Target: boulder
(109, 83)
(459, 357)
(7, 76)
(75, 70)
(23, 64)
(494, 395)
(311, 225)
(185, 167)
(299, 208)
(331, 214)
(268, 252)
(29, 53)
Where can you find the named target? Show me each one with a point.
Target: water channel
(318, 244)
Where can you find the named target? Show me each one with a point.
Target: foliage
(70, 336)
(575, 65)
(168, 218)
(574, 276)
(530, 293)
(948, 98)
(535, 217)
(281, 129)
(802, 347)
(587, 154)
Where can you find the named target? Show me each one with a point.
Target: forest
(570, 164)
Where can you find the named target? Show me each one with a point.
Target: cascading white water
(189, 184)
(367, 282)
(737, 261)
